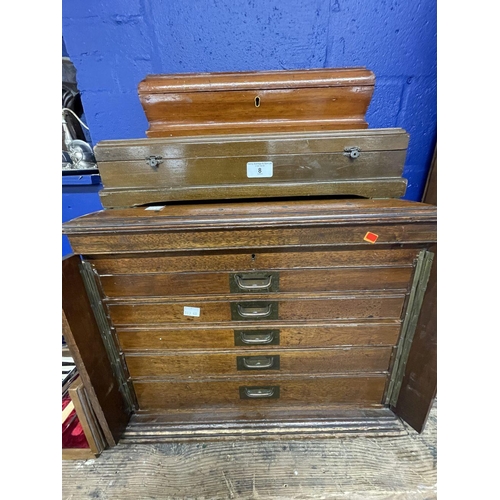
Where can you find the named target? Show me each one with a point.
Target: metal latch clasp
(352, 152)
(153, 161)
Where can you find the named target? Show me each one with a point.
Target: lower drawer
(249, 392)
(340, 360)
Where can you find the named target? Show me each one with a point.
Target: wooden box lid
(256, 80)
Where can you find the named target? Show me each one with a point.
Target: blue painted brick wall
(114, 44)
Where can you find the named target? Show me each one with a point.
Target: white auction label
(192, 311)
(260, 169)
(156, 208)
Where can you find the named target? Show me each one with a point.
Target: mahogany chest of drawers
(268, 318)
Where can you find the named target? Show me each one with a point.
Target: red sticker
(371, 237)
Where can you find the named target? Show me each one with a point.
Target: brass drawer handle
(254, 312)
(258, 362)
(257, 338)
(272, 392)
(259, 393)
(250, 282)
(254, 282)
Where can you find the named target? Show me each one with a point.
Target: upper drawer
(310, 280)
(253, 261)
(211, 103)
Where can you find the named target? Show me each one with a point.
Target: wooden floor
(400, 467)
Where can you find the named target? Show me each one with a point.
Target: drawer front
(268, 391)
(253, 261)
(324, 308)
(328, 361)
(311, 280)
(259, 337)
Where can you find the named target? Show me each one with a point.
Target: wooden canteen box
(367, 163)
(253, 102)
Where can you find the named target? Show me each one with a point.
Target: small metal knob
(352, 152)
(153, 161)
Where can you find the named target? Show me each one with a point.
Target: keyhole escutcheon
(257, 101)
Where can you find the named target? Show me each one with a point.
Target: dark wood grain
(249, 261)
(191, 104)
(298, 309)
(338, 236)
(364, 390)
(419, 384)
(320, 280)
(82, 335)
(295, 336)
(420, 381)
(333, 361)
